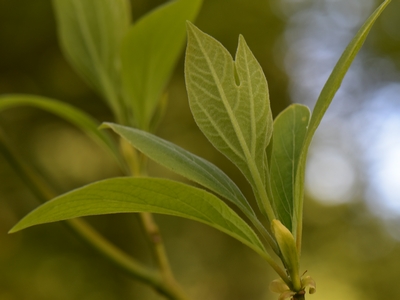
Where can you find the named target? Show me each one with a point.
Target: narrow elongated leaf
(325, 98)
(234, 116)
(128, 195)
(184, 163)
(90, 34)
(149, 54)
(290, 128)
(69, 113)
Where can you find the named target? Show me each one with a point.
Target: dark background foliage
(351, 240)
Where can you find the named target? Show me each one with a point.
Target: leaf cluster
(129, 66)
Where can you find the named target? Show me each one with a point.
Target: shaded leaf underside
(236, 118)
(185, 164)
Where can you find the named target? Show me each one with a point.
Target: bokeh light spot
(330, 176)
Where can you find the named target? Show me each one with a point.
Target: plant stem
(86, 233)
(300, 296)
(154, 235)
(138, 165)
(122, 260)
(119, 258)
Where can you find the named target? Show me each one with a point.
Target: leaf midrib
(252, 107)
(248, 159)
(225, 102)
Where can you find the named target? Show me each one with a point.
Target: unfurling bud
(289, 255)
(290, 258)
(307, 281)
(280, 287)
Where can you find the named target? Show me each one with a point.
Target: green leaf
(325, 98)
(235, 117)
(90, 34)
(69, 113)
(149, 53)
(184, 163)
(290, 128)
(128, 195)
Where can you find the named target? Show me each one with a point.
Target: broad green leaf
(235, 116)
(90, 34)
(149, 53)
(325, 98)
(269, 153)
(184, 163)
(69, 113)
(129, 195)
(290, 128)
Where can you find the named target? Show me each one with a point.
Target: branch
(87, 233)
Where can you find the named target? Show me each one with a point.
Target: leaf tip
(105, 125)
(241, 39)
(190, 30)
(242, 45)
(189, 25)
(15, 229)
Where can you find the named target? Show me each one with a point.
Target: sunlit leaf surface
(230, 102)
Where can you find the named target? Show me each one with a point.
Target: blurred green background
(352, 207)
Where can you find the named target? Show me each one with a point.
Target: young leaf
(69, 113)
(149, 53)
(289, 254)
(325, 98)
(128, 195)
(90, 34)
(290, 128)
(184, 163)
(235, 117)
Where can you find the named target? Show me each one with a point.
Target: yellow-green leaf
(230, 103)
(129, 195)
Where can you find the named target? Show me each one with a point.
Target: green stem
(154, 235)
(122, 260)
(266, 235)
(324, 100)
(277, 269)
(108, 250)
(89, 235)
(266, 206)
(138, 164)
